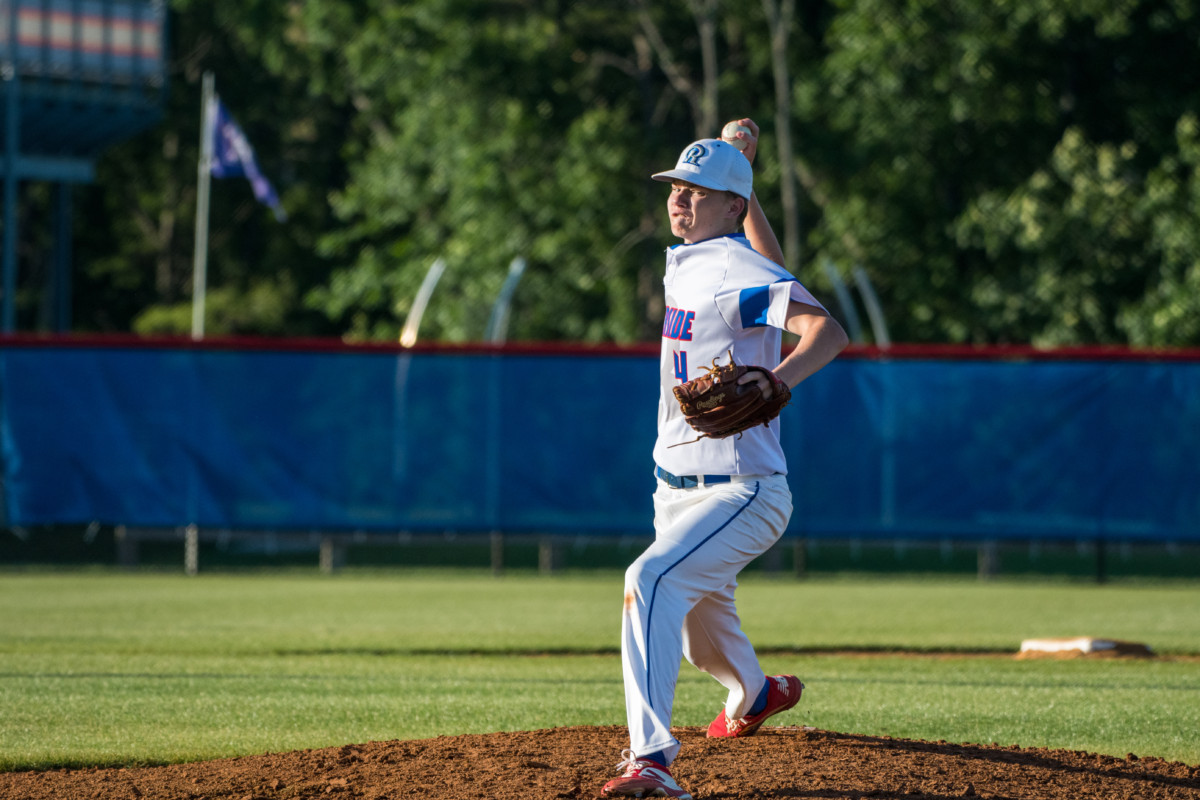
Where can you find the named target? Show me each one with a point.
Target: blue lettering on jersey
(677, 324)
(681, 366)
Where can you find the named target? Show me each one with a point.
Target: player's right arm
(759, 232)
(758, 227)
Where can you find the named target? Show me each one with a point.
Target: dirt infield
(575, 763)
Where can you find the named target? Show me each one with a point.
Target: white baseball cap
(713, 164)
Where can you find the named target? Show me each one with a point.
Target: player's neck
(722, 235)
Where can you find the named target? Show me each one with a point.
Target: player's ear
(738, 205)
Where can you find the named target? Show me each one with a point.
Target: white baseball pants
(679, 599)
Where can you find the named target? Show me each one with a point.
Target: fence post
(191, 550)
(772, 560)
(497, 541)
(127, 548)
(800, 558)
(333, 555)
(549, 555)
(988, 560)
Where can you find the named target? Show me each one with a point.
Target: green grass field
(104, 667)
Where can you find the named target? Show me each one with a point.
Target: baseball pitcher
(722, 497)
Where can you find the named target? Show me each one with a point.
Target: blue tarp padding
(383, 441)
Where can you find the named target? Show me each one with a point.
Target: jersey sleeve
(758, 296)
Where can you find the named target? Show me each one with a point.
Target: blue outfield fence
(320, 436)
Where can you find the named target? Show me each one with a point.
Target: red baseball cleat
(643, 778)
(783, 693)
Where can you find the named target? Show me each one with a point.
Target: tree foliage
(1018, 171)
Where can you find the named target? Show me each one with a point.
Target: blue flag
(234, 157)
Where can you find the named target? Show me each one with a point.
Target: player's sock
(761, 702)
(657, 757)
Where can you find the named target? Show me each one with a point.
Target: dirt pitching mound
(575, 763)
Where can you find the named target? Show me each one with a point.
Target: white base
(1071, 646)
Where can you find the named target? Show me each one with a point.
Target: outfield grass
(111, 668)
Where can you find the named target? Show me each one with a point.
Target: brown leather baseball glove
(717, 406)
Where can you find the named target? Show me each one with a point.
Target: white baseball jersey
(679, 594)
(721, 296)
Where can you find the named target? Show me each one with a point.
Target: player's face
(697, 213)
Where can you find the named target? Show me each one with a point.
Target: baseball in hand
(729, 134)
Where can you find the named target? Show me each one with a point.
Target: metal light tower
(75, 78)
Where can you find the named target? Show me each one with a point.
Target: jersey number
(681, 369)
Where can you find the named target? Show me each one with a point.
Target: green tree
(952, 120)
(514, 136)
(134, 246)
(1168, 313)
(1021, 171)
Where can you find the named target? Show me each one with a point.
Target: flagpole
(203, 182)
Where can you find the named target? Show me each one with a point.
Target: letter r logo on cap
(694, 154)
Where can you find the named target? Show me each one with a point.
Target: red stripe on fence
(905, 352)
